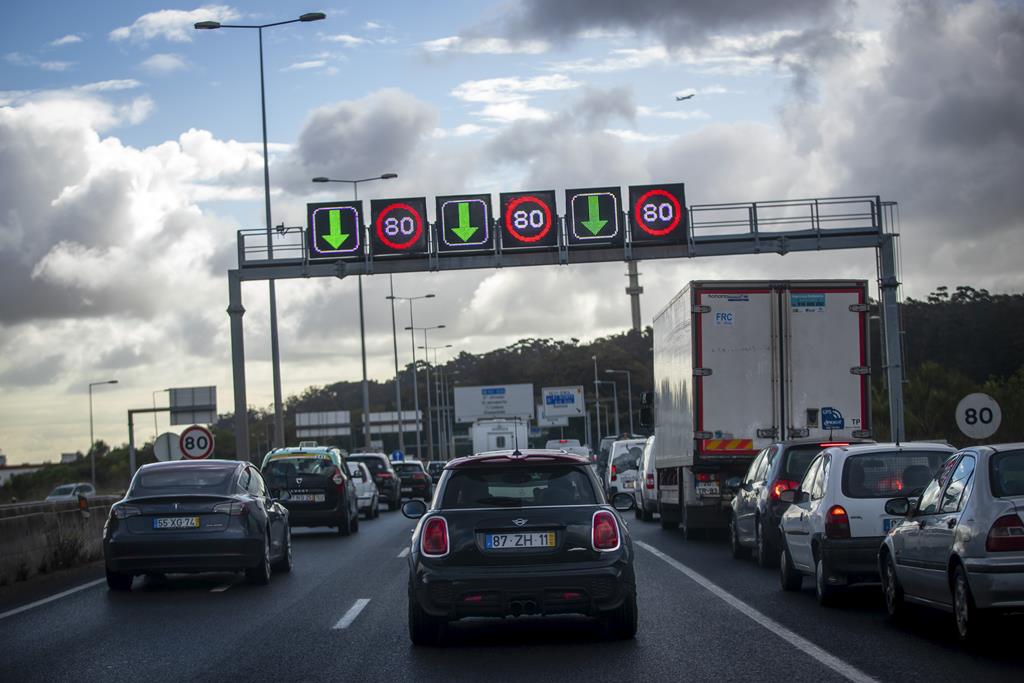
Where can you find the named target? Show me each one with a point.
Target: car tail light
(615, 471)
(605, 531)
(705, 476)
(419, 476)
(889, 484)
(124, 511)
(572, 595)
(837, 522)
(234, 508)
(782, 485)
(384, 475)
(338, 479)
(650, 480)
(1006, 534)
(434, 539)
(830, 444)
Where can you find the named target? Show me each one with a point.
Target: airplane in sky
(684, 97)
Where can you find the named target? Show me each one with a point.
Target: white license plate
(522, 541)
(176, 523)
(627, 484)
(890, 522)
(707, 489)
(406, 489)
(307, 497)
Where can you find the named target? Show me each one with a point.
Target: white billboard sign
(325, 423)
(387, 422)
(506, 400)
(193, 405)
(544, 421)
(563, 401)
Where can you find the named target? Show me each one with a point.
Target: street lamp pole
(415, 384)
(597, 405)
(398, 380)
(442, 431)
(92, 438)
(615, 400)
(629, 394)
(275, 349)
(412, 332)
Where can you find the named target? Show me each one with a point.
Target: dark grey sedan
(189, 516)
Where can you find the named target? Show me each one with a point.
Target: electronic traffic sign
(334, 230)
(464, 223)
(657, 214)
(529, 220)
(398, 227)
(593, 217)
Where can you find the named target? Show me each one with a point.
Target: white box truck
(740, 365)
(499, 434)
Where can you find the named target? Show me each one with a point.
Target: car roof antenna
(515, 436)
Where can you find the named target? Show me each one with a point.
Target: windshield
(518, 487)
(889, 474)
(167, 480)
(64, 490)
(408, 467)
(373, 462)
(1006, 470)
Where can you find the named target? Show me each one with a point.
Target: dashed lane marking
(848, 671)
(221, 589)
(351, 614)
(404, 553)
(58, 596)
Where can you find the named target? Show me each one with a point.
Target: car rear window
(307, 464)
(183, 480)
(796, 461)
(375, 464)
(502, 487)
(407, 467)
(63, 490)
(888, 474)
(1006, 471)
(628, 459)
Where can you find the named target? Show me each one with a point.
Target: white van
(645, 489)
(623, 464)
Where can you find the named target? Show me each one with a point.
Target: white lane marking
(351, 614)
(799, 642)
(221, 589)
(405, 551)
(58, 596)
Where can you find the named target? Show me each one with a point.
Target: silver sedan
(961, 545)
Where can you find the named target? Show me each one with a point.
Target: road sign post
(335, 230)
(464, 224)
(529, 220)
(978, 416)
(399, 227)
(594, 217)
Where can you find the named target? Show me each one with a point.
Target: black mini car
(511, 534)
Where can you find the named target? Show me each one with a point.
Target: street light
(629, 393)
(275, 349)
(156, 430)
(442, 398)
(597, 404)
(92, 438)
(615, 400)
(415, 385)
(362, 323)
(412, 333)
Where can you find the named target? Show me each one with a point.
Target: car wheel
(117, 581)
(394, 502)
(622, 621)
(354, 520)
(789, 577)
(763, 552)
(284, 565)
(636, 512)
(969, 619)
(646, 514)
(424, 629)
(825, 593)
(737, 549)
(260, 574)
(892, 589)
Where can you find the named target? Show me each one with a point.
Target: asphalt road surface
(341, 615)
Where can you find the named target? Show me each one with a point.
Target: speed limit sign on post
(978, 416)
(196, 442)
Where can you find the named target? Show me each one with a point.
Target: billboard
(562, 401)
(193, 405)
(325, 423)
(506, 400)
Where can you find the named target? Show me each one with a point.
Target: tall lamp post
(615, 400)
(430, 429)
(362, 323)
(442, 431)
(415, 385)
(275, 349)
(92, 438)
(629, 394)
(597, 405)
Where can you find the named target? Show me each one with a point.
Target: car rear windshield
(407, 467)
(888, 474)
(201, 480)
(305, 464)
(1006, 470)
(516, 486)
(375, 464)
(796, 461)
(628, 459)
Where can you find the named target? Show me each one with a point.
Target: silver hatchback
(961, 545)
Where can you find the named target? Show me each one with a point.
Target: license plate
(307, 497)
(707, 489)
(406, 489)
(176, 523)
(890, 522)
(627, 484)
(545, 539)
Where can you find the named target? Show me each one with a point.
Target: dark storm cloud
(35, 373)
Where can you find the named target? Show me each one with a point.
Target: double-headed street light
(92, 438)
(412, 334)
(629, 393)
(362, 322)
(442, 398)
(275, 350)
(615, 400)
(415, 385)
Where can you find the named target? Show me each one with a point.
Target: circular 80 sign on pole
(196, 443)
(398, 227)
(657, 213)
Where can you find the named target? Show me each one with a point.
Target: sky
(130, 155)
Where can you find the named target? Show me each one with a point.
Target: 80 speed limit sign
(978, 416)
(196, 443)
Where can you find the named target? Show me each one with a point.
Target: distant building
(66, 458)
(8, 471)
(3, 459)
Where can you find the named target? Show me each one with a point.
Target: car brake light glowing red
(837, 522)
(383, 475)
(833, 443)
(605, 531)
(571, 595)
(650, 480)
(615, 471)
(434, 539)
(473, 598)
(705, 476)
(1006, 534)
(782, 485)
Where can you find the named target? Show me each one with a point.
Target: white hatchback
(366, 489)
(837, 520)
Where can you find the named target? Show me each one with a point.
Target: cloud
(507, 99)
(304, 66)
(484, 46)
(164, 63)
(172, 25)
(681, 115)
(26, 60)
(69, 39)
(459, 131)
(54, 65)
(345, 39)
(109, 85)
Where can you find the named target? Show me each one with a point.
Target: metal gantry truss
(772, 227)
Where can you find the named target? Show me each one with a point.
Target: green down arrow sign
(594, 222)
(335, 237)
(464, 230)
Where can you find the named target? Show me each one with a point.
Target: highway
(341, 615)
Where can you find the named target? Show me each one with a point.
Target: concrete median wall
(37, 542)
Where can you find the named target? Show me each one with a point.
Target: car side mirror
(793, 496)
(623, 502)
(733, 484)
(897, 506)
(414, 509)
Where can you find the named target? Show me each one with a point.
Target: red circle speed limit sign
(196, 443)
